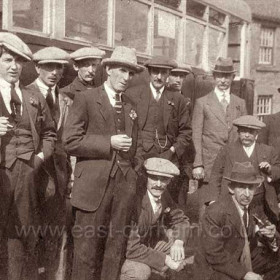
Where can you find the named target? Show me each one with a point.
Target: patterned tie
(118, 104)
(158, 207)
(49, 98)
(224, 103)
(158, 95)
(15, 104)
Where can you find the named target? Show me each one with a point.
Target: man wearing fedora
(159, 229)
(101, 131)
(49, 64)
(234, 244)
(27, 137)
(212, 123)
(85, 62)
(264, 159)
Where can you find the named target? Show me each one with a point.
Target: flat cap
(51, 55)
(248, 121)
(161, 62)
(13, 43)
(87, 52)
(182, 68)
(161, 167)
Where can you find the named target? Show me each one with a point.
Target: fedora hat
(182, 68)
(244, 173)
(224, 65)
(123, 56)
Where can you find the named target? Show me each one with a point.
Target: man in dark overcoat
(101, 131)
(263, 157)
(234, 244)
(27, 141)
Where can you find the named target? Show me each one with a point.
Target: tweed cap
(249, 121)
(244, 173)
(13, 43)
(87, 52)
(123, 56)
(182, 68)
(161, 62)
(51, 55)
(161, 167)
(224, 65)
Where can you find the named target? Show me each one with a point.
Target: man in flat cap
(101, 131)
(159, 230)
(264, 159)
(235, 243)
(27, 136)
(86, 61)
(49, 64)
(212, 123)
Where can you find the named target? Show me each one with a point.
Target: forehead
(223, 75)
(247, 129)
(9, 54)
(178, 74)
(240, 186)
(159, 70)
(51, 65)
(88, 61)
(122, 68)
(158, 177)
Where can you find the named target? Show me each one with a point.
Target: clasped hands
(121, 142)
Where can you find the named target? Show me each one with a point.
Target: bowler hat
(161, 62)
(87, 52)
(224, 65)
(123, 56)
(13, 43)
(182, 68)
(249, 121)
(51, 55)
(161, 167)
(244, 173)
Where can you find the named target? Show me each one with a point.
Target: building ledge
(268, 68)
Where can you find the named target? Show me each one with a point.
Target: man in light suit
(49, 64)
(233, 243)
(212, 123)
(27, 136)
(101, 131)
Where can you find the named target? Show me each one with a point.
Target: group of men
(126, 146)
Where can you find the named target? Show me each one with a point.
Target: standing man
(27, 136)
(86, 61)
(101, 131)
(264, 159)
(232, 245)
(49, 64)
(159, 229)
(212, 123)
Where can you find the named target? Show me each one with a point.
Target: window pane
(166, 27)
(87, 20)
(216, 17)
(28, 14)
(173, 4)
(216, 40)
(131, 25)
(196, 9)
(194, 43)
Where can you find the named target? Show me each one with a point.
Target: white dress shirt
(111, 94)
(155, 92)
(221, 93)
(249, 150)
(5, 89)
(155, 202)
(44, 88)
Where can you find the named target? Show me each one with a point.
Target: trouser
(100, 237)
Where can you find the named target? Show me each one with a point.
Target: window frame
(261, 61)
(263, 106)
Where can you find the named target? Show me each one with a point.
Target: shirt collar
(154, 91)
(220, 93)
(110, 91)
(42, 85)
(153, 199)
(5, 84)
(251, 148)
(238, 206)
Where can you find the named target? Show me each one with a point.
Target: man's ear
(230, 189)
(108, 70)
(75, 66)
(37, 68)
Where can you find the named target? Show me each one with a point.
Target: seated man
(159, 229)
(234, 244)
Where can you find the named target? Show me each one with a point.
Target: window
(264, 106)
(131, 27)
(266, 45)
(216, 17)
(196, 9)
(173, 4)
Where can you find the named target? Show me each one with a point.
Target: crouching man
(235, 243)
(159, 229)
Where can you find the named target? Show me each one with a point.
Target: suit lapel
(128, 120)
(216, 108)
(143, 106)
(167, 98)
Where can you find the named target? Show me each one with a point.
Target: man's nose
(159, 75)
(158, 183)
(247, 193)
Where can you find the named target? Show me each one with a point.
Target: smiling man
(159, 229)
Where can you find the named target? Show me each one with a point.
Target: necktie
(245, 218)
(118, 104)
(158, 207)
(224, 103)
(158, 95)
(49, 98)
(15, 104)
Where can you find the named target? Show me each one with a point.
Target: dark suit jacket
(176, 116)
(147, 232)
(42, 125)
(87, 136)
(211, 131)
(223, 166)
(222, 242)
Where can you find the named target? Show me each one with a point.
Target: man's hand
(177, 266)
(177, 251)
(252, 276)
(268, 231)
(121, 142)
(5, 126)
(198, 173)
(265, 167)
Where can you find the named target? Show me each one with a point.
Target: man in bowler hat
(101, 131)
